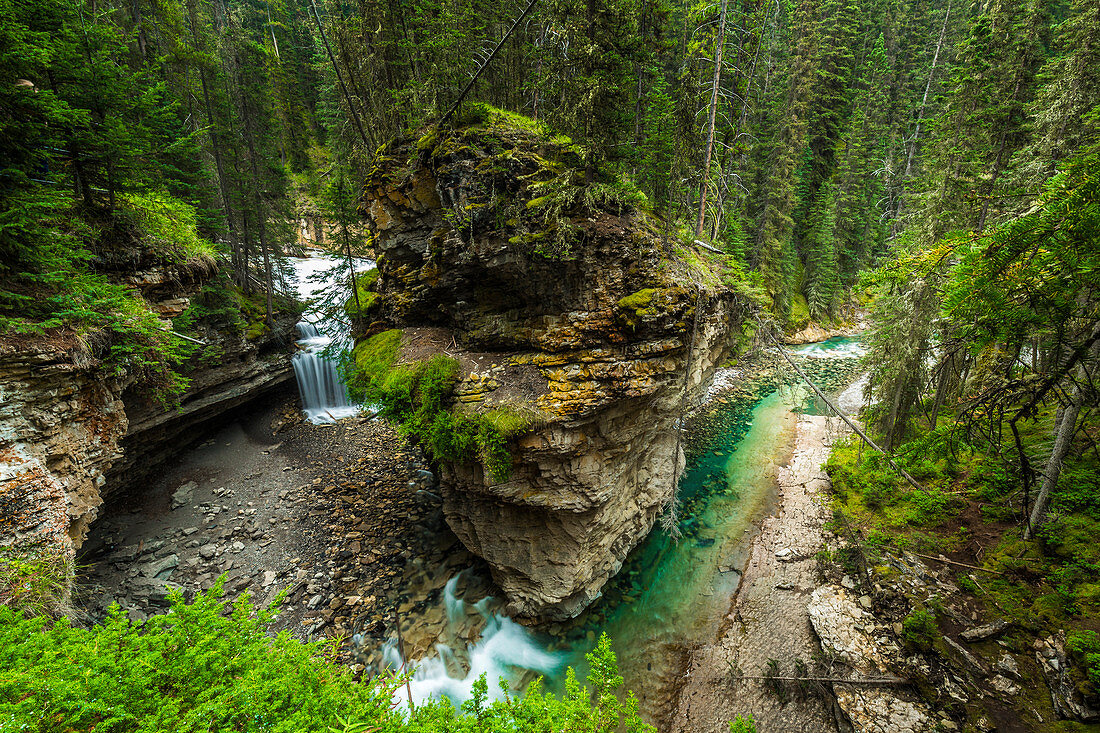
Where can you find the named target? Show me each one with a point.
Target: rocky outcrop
(578, 317)
(812, 333)
(848, 634)
(60, 425)
(71, 432)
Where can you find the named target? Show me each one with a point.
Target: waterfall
(323, 392)
(504, 649)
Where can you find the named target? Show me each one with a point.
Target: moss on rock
(419, 397)
(368, 300)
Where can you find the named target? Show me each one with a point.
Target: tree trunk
(708, 151)
(339, 77)
(239, 272)
(908, 172)
(1065, 428)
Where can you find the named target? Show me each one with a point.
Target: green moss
(428, 141)
(480, 113)
(800, 311)
(639, 301)
(418, 397)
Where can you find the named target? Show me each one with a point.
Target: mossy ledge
(532, 333)
(419, 397)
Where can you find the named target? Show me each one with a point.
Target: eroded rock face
(72, 432)
(593, 339)
(847, 633)
(60, 425)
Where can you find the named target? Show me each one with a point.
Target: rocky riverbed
(343, 518)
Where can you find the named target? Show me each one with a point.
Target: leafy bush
(1084, 650)
(744, 724)
(206, 667)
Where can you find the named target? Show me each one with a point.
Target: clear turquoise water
(672, 594)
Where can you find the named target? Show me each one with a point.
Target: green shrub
(1083, 648)
(744, 724)
(205, 667)
(919, 629)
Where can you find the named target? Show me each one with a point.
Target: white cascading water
(505, 649)
(324, 394)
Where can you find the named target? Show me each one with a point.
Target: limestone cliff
(563, 304)
(72, 432)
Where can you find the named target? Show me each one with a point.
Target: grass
(36, 584)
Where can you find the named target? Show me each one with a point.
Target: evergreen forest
(930, 170)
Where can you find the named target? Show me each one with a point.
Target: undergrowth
(59, 289)
(210, 667)
(971, 498)
(35, 584)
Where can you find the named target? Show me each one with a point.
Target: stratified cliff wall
(72, 432)
(561, 301)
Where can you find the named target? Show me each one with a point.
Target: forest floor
(341, 517)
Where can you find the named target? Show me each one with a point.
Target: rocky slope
(562, 306)
(72, 432)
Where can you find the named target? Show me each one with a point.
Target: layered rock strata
(580, 317)
(71, 432)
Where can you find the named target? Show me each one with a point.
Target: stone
(1007, 665)
(988, 631)
(70, 440)
(208, 552)
(160, 568)
(152, 590)
(969, 660)
(182, 495)
(237, 546)
(188, 531)
(784, 553)
(847, 582)
(866, 602)
(595, 345)
(1005, 686)
(269, 577)
(1067, 701)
